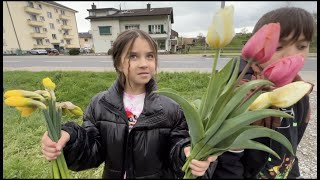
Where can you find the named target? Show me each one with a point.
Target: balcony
(35, 23)
(55, 41)
(71, 46)
(32, 10)
(39, 35)
(64, 16)
(40, 46)
(66, 27)
(67, 36)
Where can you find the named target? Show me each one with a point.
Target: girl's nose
(289, 51)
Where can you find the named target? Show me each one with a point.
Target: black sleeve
(229, 166)
(84, 149)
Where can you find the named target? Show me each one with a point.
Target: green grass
(22, 157)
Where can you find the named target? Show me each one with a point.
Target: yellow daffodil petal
(20, 101)
(23, 93)
(221, 31)
(12, 93)
(289, 94)
(48, 84)
(262, 102)
(26, 111)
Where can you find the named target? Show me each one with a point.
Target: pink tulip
(284, 70)
(261, 46)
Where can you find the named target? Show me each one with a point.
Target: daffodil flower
(69, 107)
(26, 111)
(23, 93)
(20, 101)
(48, 84)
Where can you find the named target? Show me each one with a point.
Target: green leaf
(232, 125)
(197, 103)
(218, 118)
(244, 107)
(216, 85)
(192, 116)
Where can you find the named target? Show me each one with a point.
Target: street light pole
(222, 4)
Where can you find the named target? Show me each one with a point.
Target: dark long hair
(124, 41)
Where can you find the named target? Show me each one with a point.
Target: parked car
(52, 51)
(85, 50)
(38, 51)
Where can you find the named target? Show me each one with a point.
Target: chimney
(93, 6)
(148, 7)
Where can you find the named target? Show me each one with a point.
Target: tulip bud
(262, 45)
(221, 31)
(284, 70)
(289, 94)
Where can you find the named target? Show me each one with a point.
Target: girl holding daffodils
(136, 133)
(295, 34)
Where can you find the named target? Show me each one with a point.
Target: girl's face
(286, 48)
(139, 66)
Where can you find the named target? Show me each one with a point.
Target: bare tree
(244, 30)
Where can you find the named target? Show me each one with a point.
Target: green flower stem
(244, 71)
(216, 56)
(64, 165)
(55, 169)
(60, 165)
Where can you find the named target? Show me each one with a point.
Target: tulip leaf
(191, 114)
(197, 103)
(218, 118)
(215, 87)
(233, 78)
(232, 125)
(244, 107)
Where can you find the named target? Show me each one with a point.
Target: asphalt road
(179, 62)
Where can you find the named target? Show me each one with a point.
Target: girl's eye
(133, 56)
(302, 47)
(150, 56)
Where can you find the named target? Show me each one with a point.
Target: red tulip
(261, 46)
(284, 70)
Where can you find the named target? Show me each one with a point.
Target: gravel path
(307, 149)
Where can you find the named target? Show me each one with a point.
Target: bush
(110, 51)
(74, 51)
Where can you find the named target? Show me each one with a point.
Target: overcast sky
(191, 18)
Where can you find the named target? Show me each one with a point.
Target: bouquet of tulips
(29, 101)
(221, 120)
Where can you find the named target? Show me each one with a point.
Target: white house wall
(102, 43)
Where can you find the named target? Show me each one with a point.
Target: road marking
(58, 61)
(11, 61)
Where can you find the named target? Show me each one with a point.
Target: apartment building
(108, 23)
(85, 39)
(38, 24)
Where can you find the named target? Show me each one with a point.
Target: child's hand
(198, 168)
(50, 149)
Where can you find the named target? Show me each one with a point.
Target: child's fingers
(200, 164)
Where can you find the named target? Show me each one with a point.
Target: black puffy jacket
(152, 149)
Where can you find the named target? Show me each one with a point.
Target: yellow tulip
(221, 31)
(289, 94)
(23, 93)
(262, 102)
(20, 101)
(26, 111)
(48, 84)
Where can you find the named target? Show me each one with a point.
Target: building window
(30, 4)
(33, 17)
(135, 26)
(47, 41)
(41, 18)
(54, 36)
(156, 29)
(45, 30)
(49, 15)
(58, 21)
(39, 42)
(66, 32)
(36, 29)
(91, 13)
(40, 7)
(51, 26)
(62, 41)
(86, 40)
(64, 22)
(62, 12)
(56, 10)
(68, 41)
(105, 30)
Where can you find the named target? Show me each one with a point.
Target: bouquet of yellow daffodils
(221, 120)
(29, 101)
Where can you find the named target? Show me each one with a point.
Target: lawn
(22, 157)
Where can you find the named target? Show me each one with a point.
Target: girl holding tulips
(293, 28)
(136, 133)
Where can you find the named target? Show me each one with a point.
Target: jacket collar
(114, 97)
